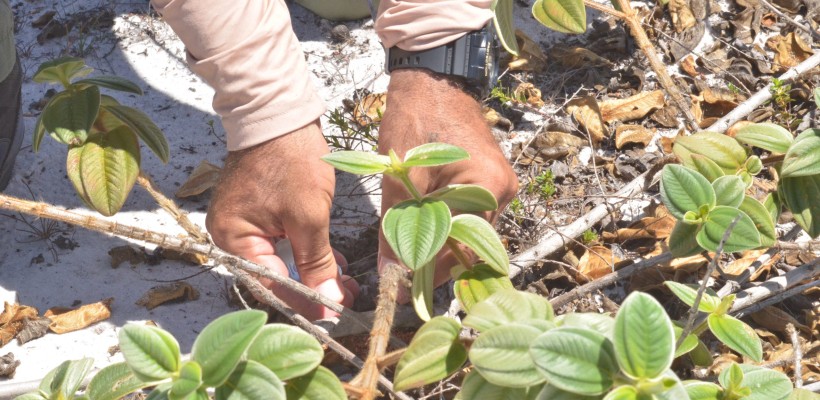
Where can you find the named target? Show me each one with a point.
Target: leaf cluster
(101, 134)
(236, 354)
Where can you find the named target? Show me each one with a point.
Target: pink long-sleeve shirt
(247, 51)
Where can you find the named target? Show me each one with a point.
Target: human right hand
(281, 188)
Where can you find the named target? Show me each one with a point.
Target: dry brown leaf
(775, 319)
(125, 253)
(647, 228)
(625, 134)
(597, 261)
(528, 91)
(739, 266)
(575, 57)
(69, 321)
(158, 295)
(585, 110)
(530, 56)
(631, 108)
(790, 50)
(689, 65)
(8, 365)
(13, 320)
(681, 14)
(33, 329)
(491, 116)
(196, 259)
(202, 178)
(370, 109)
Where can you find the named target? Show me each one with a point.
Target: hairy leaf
(507, 306)
(63, 381)
(729, 190)
(112, 82)
(475, 387)
(766, 384)
(803, 157)
(152, 353)
(703, 390)
(708, 168)
(477, 234)
(251, 381)
(434, 353)
(567, 16)
(189, 380)
(762, 220)
(433, 154)
(502, 355)
(625, 392)
(644, 337)
(550, 392)
(684, 190)
(683, 240)
(286, 350)
(416, 230)
(687, 294)
(221, 344)
(725, 151)
(146, 129)
(800, 195)
(603, 324)
(358, 162)
(744, 235)
(478, 284)
(505, 25)
(114, 382)
(69, 115)
(737, 335)
(766, 136)
(422, 290)
(466, 198)
(576, 360)
(320, 384)
(61, 70)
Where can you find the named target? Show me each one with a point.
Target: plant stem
(773, 159)
(168, 205)
(408, 184)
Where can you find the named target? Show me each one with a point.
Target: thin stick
(813, 245)
(693, 311)
(260, 292)
(168, 205)
(777, 297)
(604, 9)
(775, 286)
(762, 95)
(184, 245)
(798, 355)
(790, 20)
(379, 336)
(814, 387)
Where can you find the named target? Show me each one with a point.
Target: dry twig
(798, 355)
(181, 217)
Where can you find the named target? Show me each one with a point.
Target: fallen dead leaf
(739, 266)
(775, 319)
(631, 108)
(178, 291)
(8, 365)
(658, 228)
(202, 178)
(681, 14)
(370, 109)
(125, 253)
(666, 117)
(576, 57)
(689, 65)
(597, 261)
(585, 110)
(33, 329)
(13, 319)
(528, 91)
(171, 254)
(79, 318)
(530, 56)
(790, 50)
(626, 134)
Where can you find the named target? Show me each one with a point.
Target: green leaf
(683, 190)
(505, 25)
(39, 132)
(320, 384)
(567, 16)
(701, 356)
(729, 190)
(800, 195)
(703, 390)
(114, 382)
(672, 387)
(744, 236)
(687, 345)
(753, 165)
(433, 154)
(799, 393)
(731, 377)
(600, 323)
(160, 392)
(152, 353)
(725, 151)
(688, 293)
(626, 392)
(708, 168)
(502, 355)
(478, 284)
(737, 335)
(466, 198)
(644, 337)
(70, 114)
(772, 204)
(549, 392)
(416, 230)
(189, 380)
(358, 162)
(575, 359)
(766, 384)
(477, 234)
(476, 387)
(146, 129)
(61, 70)
(762, 220)
(222, 343)
(251, 381)
(508, 306)
(803, 157)
(766, 136)
(683, 240)
(286, 350)
(107, 166)
(31, 396)
(434, 353)
(112, 82)
(422, 290)
(63, 381)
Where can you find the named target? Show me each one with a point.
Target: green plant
(589, 236)
(782, 99)
(103, 159)
(543, 185)
(351, 135)
(708, 191)
(236, 354)
(506, 95)
(417, 229)
(737, 382)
